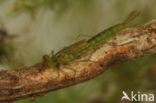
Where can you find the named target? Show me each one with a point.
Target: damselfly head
(46, 58)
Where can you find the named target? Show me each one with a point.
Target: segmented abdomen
(96, 40)
(99, 38)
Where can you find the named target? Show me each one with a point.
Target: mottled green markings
(102, 36)
(67, 54)
(97, 39)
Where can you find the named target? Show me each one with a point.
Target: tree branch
(34, 81)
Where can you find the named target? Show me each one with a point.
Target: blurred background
(31, 28)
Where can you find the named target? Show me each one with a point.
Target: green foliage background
(43, 25)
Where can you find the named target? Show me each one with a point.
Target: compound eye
(45, 57)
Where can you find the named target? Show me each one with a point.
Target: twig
(34, 81)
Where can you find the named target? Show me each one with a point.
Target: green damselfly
(73, 51)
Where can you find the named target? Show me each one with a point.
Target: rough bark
(34, 81)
